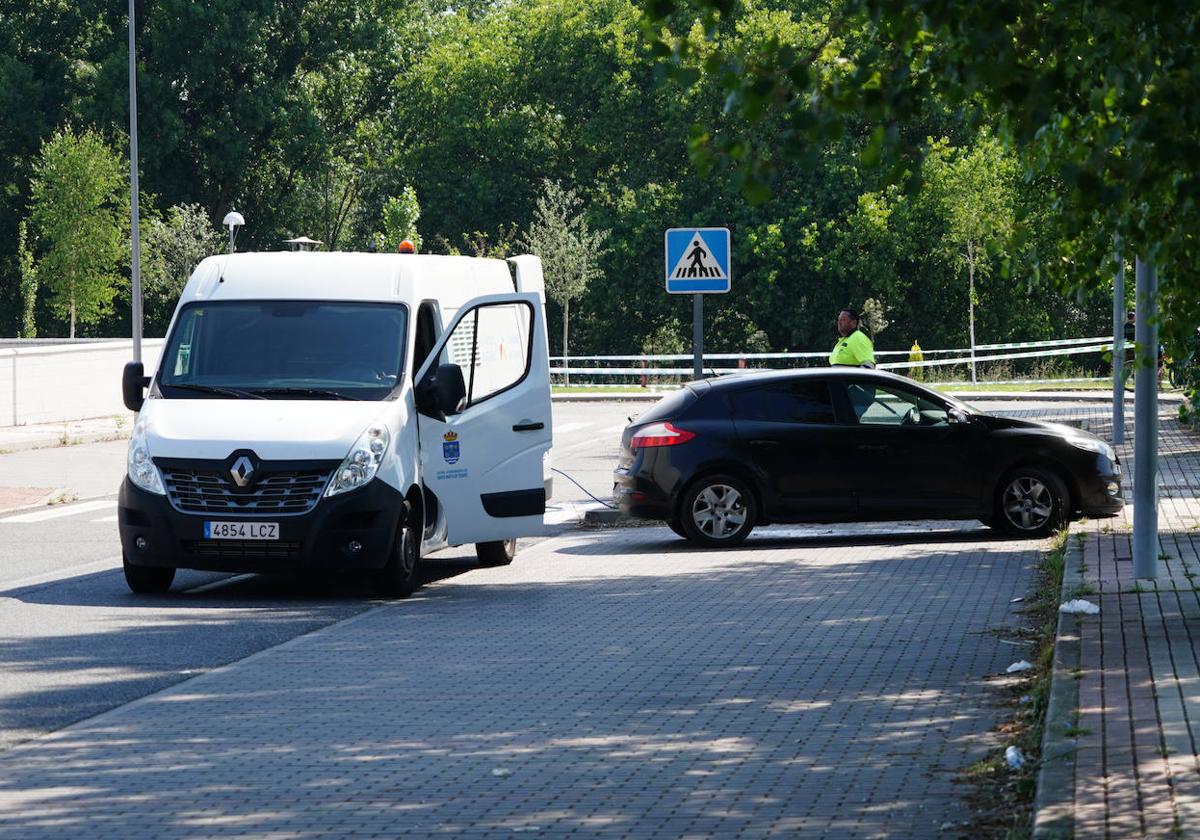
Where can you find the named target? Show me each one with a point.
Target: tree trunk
(566, 318)
(971, 303)
(72, 317)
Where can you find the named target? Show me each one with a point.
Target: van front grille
(274, 492)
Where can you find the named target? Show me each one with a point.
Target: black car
(850, 445)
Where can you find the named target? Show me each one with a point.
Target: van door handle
(872, 447)
(760, 442)
(528, 426)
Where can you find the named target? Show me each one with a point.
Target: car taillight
(660, 434)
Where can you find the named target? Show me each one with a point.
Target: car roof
(741, 380)
(320, 275)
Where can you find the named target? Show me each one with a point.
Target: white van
(340, 412)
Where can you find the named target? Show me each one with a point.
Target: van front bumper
(352, 531)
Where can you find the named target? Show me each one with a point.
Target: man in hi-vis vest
(853, 348)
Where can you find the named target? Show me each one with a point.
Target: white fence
(651, 367)
(51, 384)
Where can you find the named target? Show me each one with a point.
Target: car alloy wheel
(718, 511)
(1032, 502)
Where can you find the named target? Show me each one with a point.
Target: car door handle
(528, 426)
(761, 442)
(872, 447)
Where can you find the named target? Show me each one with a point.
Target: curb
(602, 516)
(29, 445)
(1054, 803)
(45, 503)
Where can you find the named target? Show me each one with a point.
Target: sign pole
(1145, 425)
(698, 262)
(1118, 354)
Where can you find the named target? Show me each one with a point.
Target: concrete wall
(51, 384)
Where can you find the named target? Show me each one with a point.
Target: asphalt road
(74, 641)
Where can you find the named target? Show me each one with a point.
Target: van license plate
(241, 530)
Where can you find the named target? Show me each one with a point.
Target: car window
(887, 405)
(426, 335)
(491, 345)
(785, 402)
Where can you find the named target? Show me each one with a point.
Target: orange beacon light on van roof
(406, 247)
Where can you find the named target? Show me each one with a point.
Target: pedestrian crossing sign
(698, 261)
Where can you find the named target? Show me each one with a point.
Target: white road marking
(112, 518)
(58, 512)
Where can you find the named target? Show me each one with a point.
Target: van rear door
(483, 402)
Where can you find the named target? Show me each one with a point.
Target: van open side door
(483, 407)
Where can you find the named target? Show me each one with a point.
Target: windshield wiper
(236, 393)
(301, 392)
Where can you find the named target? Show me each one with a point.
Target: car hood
(273, 429)
(1060, 430)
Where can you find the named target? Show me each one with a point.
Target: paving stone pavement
(1126, 763)
(609, 683)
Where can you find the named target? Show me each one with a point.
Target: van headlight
(1095, 445)
(141, 469)
(361, 465)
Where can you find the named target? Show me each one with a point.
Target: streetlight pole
(135, 237)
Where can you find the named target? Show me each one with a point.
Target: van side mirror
(451, 388)
(441, 391)
(958, 417)
(133, 382)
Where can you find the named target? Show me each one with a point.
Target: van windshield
(284, 350)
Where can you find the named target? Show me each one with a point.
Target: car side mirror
(441, 391)
(133, 382)
(958, 417)
(451, 388)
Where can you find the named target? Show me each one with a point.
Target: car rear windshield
(285, 350)
(669, 406)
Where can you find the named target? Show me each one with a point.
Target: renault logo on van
(242, 471)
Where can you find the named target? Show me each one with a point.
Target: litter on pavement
(1014, 757)
(1021, 665)
(1079, 605)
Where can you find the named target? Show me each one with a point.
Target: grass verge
(1002, 798)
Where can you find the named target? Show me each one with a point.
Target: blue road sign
(698, 261)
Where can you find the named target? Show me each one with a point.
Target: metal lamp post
(136, 269)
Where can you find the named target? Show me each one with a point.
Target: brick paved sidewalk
(607, 684)
(1121, 757)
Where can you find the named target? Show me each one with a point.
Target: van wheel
(1030, 502)
(498, 553)
(147, 580)
(718, 511)
(398, 579)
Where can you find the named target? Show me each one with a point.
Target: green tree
(28, 275)
(400, 215)
(569, 249)
(79, 215)
(173, 246)
(1098, 96)
(975, 190)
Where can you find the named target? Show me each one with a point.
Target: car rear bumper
(153, 533)
(640, 497)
